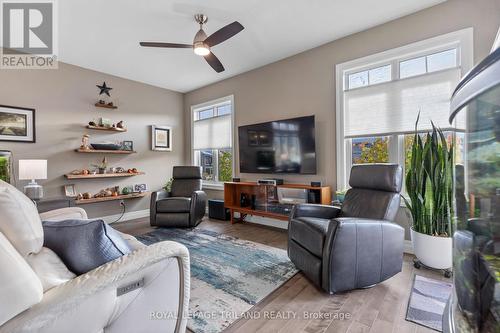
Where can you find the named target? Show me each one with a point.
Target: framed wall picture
(128, 145)
(17, 124)
(140, 188)
(161, 138)
(69, 190)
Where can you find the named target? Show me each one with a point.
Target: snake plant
(429, 183)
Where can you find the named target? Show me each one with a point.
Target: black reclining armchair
(184, 205)
(355, 246)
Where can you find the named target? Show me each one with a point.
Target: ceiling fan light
(201, 49)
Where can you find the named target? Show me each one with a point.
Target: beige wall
(296, 86)
(64, 102)
(305, 84)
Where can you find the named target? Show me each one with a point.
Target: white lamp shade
(32, 169)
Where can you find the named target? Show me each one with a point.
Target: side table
(46, 204)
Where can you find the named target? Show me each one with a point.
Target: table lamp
(32, 170)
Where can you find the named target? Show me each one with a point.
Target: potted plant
(168, 185)
(429, 185)
(102, 166)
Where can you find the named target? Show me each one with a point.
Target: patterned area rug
(228, 275)
(427, 302)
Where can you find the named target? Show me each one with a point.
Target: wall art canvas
(17, 124)
(161, 138)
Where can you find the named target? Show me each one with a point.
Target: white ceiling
(104, 35)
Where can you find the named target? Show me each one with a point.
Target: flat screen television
(281, 146)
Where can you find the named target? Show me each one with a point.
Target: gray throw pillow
(84, 244)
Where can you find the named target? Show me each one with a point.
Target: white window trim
(212, 185)
(462, 40)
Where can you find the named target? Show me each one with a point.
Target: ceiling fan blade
(214, 62)
(224, 33)
(172, 45)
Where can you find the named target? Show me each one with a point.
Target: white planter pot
(435, 252)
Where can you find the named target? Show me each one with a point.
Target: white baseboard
(408, 247)
(126, 217)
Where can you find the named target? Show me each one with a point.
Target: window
(370, 150)
(379, 98)
(212, 140)
(370, 77)
(412, 67)
(458, 138)
(428, 64)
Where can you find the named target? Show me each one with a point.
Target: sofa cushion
(310, 233)
(20, 288)
(84, 244)
(19, 220)
(173, 205)
(49, 268)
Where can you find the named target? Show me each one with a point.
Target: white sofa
(39, 294)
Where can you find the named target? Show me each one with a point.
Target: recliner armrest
(158, 195)
(155, 196)
(350, 220)
(198, 206)
(368, 250)
(318, 211)
(64, 214)
(100, 288)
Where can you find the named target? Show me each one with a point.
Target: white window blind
(212, 133)
(392, 108)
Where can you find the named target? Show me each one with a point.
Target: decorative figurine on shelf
(119, 170)
(92, 123)
(85, 142)
(105, 122)
(104, 95)
(109, 192)
(120, 124)
(104, 89)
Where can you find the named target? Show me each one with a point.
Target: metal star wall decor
(104, 89)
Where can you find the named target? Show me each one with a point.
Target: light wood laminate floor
(380, 309)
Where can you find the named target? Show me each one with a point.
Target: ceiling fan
(202, 44)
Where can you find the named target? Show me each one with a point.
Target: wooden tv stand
(266, 195)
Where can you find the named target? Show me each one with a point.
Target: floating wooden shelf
(106, 106)
(111, 129)
(96, 151)
(119, 197)
(104, 175)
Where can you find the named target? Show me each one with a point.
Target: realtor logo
(28, 34)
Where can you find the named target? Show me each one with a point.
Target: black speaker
(313, 196)
(217, 211)
(316, 184)
(236, 180)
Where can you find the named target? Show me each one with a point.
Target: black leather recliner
(184, 205)
(355, 246)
